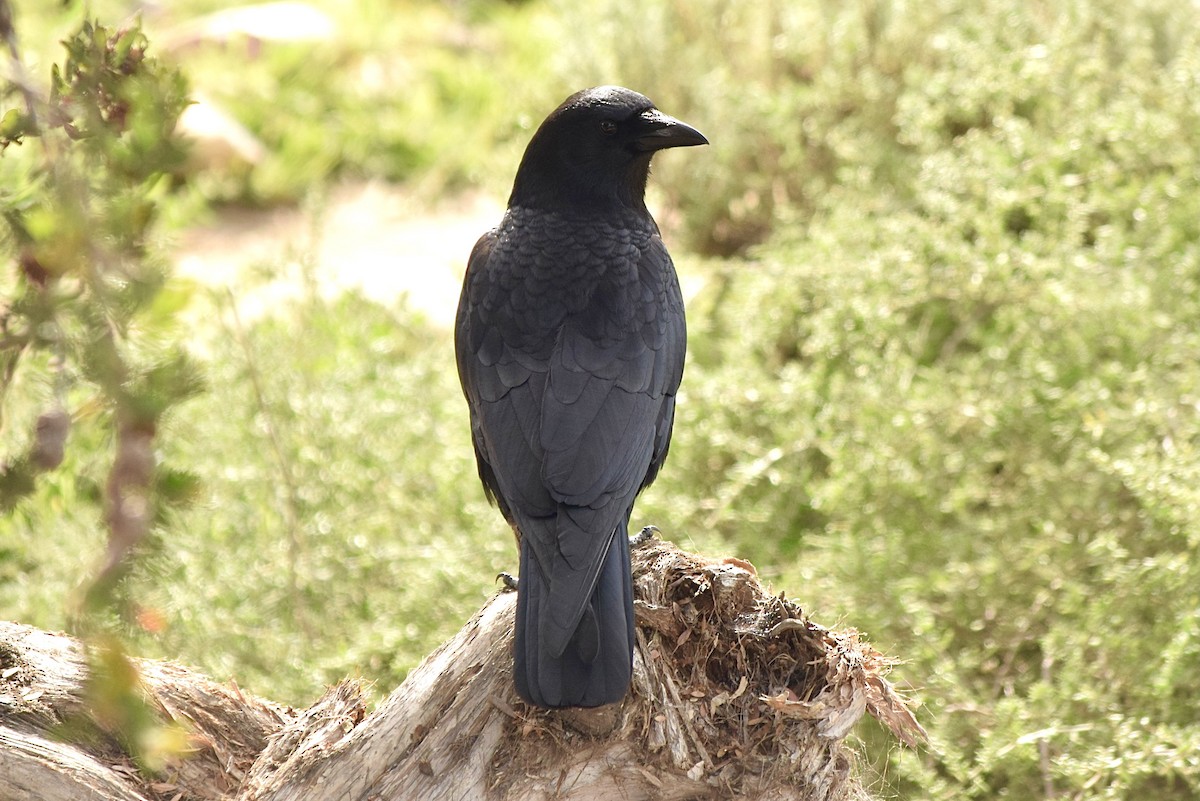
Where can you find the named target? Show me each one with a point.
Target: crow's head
(594, 150)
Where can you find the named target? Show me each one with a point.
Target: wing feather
(570, 424)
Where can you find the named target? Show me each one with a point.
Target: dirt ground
(375, 237)
(371, 236)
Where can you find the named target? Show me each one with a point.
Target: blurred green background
(943, 267)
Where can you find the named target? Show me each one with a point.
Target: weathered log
(735, 694)
(42, 692)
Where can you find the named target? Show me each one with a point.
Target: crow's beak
(658, 131)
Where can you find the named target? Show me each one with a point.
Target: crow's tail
(597, 664)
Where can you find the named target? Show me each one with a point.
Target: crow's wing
(569, 426)
(503, 377)
(605, 425)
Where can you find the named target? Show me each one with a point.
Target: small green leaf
(13, 125)
(178, 487)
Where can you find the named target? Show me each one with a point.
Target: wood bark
(736, 694)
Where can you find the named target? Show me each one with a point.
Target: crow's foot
(508, 580)
(642, 537)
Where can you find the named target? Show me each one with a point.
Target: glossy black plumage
(570, 343)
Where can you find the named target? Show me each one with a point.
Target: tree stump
(736, 694)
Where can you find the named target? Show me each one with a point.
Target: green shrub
(344, 532)
(956, 400)
(806, 100)
(428, 93)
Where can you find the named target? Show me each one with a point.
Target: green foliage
(402, 91)
(434, 94)
(956, 400)
(339, 529)
(83, 172)
(349, 535)
(804, 100)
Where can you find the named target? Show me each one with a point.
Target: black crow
(570, 340)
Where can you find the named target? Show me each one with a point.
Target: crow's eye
(608, 127)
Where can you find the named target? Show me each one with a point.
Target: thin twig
(1044, 762)
(291, 514)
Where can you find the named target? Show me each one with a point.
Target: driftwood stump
(735, 695)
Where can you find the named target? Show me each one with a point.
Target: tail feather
(597, 664)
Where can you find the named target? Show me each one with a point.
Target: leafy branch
(84, 168)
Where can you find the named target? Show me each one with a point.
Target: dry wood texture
(735, 695)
